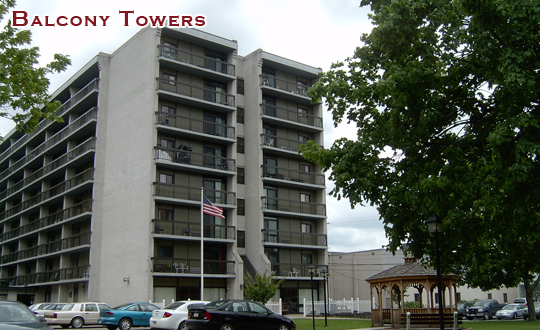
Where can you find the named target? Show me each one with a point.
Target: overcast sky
(314, 32)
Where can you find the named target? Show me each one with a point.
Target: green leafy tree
(24, 86)
(445, 97)
(261, 288)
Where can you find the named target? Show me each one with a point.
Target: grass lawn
(345, 324)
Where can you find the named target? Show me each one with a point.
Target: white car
(173, 316)
(511, 311)
(42, 308)
(76, 314)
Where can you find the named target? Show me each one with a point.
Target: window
(166, 178)
(269, 77)
(302, 112)
(459, 296)
(240, 86)
(215, 124)
(214, 157)
(165, 251)
(417, 297)
(215, 92)
(270, 167)
(165, 214)
(169, 108)
(215, 61)
(240, 115)
(307, 258)
(306, 198)
(505, 297)
(241, 209)
(240, 145)
(90, 308)
(304, 167)
(303, 139)
(269, 106)
(240, 175)
(169, 78)
(270, 200)
(169, 49)
(269, 136)
(489, 296)
(167, 143)
(271, 230)
(241, 238)
(302, 86)
(306, 228)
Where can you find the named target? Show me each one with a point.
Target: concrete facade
(107, 205)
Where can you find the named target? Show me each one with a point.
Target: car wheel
(226, 326)
(486, 316)
(283, 326)
(183, 326)
(112, 327)
(77, 322)
(514, 316)
(125, 324)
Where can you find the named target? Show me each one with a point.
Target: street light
(325, 275)
(435, 226)
(311, 272)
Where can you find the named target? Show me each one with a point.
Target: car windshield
(481, 303)
(174, 305)
(510, 307)
(15, 313)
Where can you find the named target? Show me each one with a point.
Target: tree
(23, 86)
(261, 288)
(445, 98)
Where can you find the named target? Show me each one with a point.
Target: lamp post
(435, 226)
(325, 275)
(311, 272)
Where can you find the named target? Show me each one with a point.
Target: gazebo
(392, 285)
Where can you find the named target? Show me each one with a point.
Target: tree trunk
(529, 290)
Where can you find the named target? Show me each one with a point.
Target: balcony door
(215, 157)
(215, 92)
(215, 226)
(270, 200)
(215, 124)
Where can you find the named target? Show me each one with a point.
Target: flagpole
(202, 244)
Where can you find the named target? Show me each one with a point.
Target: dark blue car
(128, 315)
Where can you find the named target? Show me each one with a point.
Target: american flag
(211, 209)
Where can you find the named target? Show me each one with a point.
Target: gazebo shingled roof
(409, 269)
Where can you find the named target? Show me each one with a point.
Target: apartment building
(106, 205)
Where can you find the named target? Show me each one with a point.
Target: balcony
(74, 185)
(291, 119)
(289, 90)
(296, 270)
(196, 96)
(202, 66)
(192, 230)
(169, 266)
(280, 237)
(48, 248)
(294, 208)
(292, 178)
(189, 127)
(78, 98)
(56, 218)
(280, 146)
(188, 160)
(192, 196)
(51, 276)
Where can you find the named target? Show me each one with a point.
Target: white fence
(337, 307)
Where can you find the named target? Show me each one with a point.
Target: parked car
(520, 301)
(462, 309)
(42, 308)
(511, 311)
(537, 312)
(76, 314)
(485, 309)
(236, 314)
(16, 315)
(174, 315)
(134, 314)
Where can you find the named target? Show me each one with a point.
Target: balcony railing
(280, 143)
(197, 60)
(51, 247)
(276, 204)
(193, 194)
(296, 270)
(54, 191)
(190, 229)
(292, 237)
(192, 266)
(287, 86)
(71, 273)
(202, 94)
(195, 125)
(57, 217)
(184, 155)
(81, 94)
(293, 175)
(294, 116)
